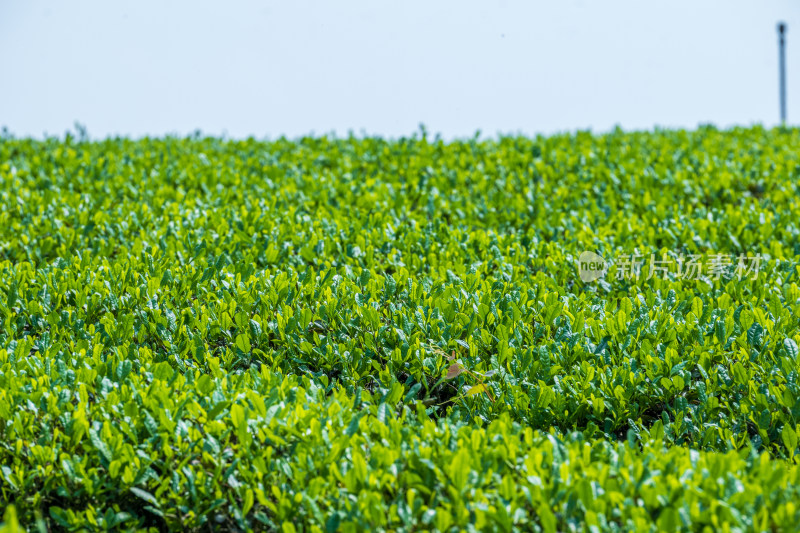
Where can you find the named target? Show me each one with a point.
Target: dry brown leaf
(454, 371)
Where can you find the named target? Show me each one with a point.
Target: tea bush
(365, 334)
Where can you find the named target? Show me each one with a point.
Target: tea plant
(358, 334)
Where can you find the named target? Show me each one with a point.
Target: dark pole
(782, 67)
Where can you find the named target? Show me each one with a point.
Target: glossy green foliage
(358, 334)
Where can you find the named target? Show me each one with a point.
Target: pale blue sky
(296, 67)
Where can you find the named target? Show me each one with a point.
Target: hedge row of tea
(363, 334)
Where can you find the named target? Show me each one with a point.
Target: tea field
(363, 334)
